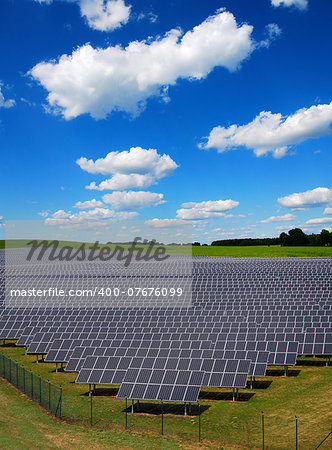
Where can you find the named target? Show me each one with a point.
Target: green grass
(225, 424)
(236, 251)
(262, 251)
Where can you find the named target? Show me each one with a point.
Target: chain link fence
(48, 395)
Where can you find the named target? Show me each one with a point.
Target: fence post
(49, 395)
(126, 414)
(199, 422)
(31, 384)
(40, 390)
(263, 432)
(162, 418)
(60, 400)
(91, 407)
(296, 433)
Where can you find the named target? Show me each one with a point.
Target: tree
(325, 237)
(297, 237)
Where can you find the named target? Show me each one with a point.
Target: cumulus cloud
(88, 204)
(102, 15)
(105, 15)
(328, 211)
(301, 4)
(43, 213)
(165, 223)
(61, 214)
(96, 214)
(136, 168)
(5, 103)
(129, 200)
(316, 197)
(283, 218)
(98, 81)
(273, 133)
(319, 220)
(205, 210)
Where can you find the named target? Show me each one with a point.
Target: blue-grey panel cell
(101, 362)
(124, 363)
(228, 380)
(144, 376)
(165, 392)
(240, 380)
(170, 377)
(178, 393)
(183, 377)
(138, 391)
(171, 364)
(83, 376)
(191, 394)
(231, 365)
(215, 380)
(157, 376)
(125, 390)
(107, 377)
(151, 392)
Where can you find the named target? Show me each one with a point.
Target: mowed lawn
(204, 250)
(307, 393)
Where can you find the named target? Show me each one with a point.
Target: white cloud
(43, 213)
(61, 214)
(129, 200)
(315, 197)
(205, 210)
(97, 214)
(1, 217)
(165, 223)
(285, 227)
(273, 133)
(5, 103)
(136, 168)
(319, 220)
(301, 4)
(103, 15)
(279, 218)
(98, 81)
(273, 31)
(88, 204)
(327, 211)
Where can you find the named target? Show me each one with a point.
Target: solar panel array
(242, 315)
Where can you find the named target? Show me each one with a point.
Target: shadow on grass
(313, 363)
(259, 384)
(168, 408)
(281, 372)
(213, 395)
(102, 392)
(8, 344)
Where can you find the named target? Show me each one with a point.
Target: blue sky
(223, 122)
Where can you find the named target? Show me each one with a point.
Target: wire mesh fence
(48, 395)
(94, 409)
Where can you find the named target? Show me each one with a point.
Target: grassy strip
(307, 393)
(235, 251)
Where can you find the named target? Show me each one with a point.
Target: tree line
(294, 237)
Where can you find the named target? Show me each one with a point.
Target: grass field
(236, 251)
(307, 393)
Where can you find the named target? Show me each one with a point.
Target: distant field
(307, 393)
(236, 251)
(262, 251)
